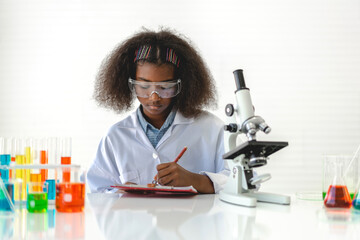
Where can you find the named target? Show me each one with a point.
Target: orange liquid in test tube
(66, 157)
(11, 171)
(35, 177)
(43, 160)
(65, 160)
(66, 172)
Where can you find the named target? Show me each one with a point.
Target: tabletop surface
(203, 216)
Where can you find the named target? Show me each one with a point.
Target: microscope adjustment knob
(229, 110)
(265, 128)
(232, 127)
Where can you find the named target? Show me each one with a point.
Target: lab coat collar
(133, 122)
(180, 119)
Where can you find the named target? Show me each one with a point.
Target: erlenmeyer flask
(356, 201)
(338, 195)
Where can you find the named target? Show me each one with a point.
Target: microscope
(242, 184)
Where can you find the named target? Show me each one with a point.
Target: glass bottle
(338, 195)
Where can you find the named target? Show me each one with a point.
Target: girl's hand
(172, 174)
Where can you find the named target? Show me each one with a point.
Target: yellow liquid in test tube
(28, 160)
(20, 173)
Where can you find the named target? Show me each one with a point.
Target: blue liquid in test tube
(5, 161)
(51, 189)
(5, 157)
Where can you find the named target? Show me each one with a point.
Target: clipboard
(144, 189)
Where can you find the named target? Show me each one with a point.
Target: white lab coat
(125, 154)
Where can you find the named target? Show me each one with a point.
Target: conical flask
(356, 159)
(356, 200)
(338, 195)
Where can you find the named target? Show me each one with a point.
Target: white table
(128, 216)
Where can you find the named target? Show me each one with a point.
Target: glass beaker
(37, 199)
(337, 195)
(6, 196)
(70, 189)
(8, 190)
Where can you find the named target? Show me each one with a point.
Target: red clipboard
(157, 189)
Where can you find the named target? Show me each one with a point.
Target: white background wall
(301, 61)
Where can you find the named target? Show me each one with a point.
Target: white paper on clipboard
(157, 189)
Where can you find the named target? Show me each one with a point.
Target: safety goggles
(167, 89)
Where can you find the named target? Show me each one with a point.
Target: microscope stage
(257, 148)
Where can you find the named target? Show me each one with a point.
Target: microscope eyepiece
(239, 79)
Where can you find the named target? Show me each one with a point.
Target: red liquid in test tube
(66, 157)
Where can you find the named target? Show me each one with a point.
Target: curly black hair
(197, 85)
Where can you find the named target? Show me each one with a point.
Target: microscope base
(269, 197)
(238, 199)
(249, 199)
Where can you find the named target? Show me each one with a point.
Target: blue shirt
(154, 134)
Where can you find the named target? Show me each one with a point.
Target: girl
(173, 85)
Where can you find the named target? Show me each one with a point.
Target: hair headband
(142, 53)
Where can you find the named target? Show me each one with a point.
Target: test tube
(43, 158)
(6, 187)
(35, 175)
(5, 157)
(28, 156)
(53, 150)
(66, 156)
(12, 155)
(53, 158)
(20, 173)
(66, 150)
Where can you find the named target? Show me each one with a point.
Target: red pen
(175, 161)
(180, 155)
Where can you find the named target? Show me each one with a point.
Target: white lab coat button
(155, 155)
